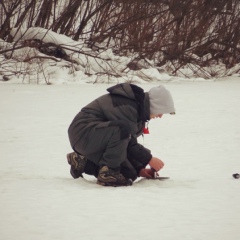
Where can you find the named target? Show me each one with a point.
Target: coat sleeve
(138, 155)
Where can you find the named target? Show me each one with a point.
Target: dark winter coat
(126, 107)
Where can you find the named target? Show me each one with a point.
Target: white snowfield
(199, 145)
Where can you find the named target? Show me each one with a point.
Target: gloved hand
(156, 164)
(147, 173)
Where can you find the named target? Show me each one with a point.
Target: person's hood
(161, 101)
(132, 92)
(126, 90)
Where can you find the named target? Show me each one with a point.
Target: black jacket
(126, 102)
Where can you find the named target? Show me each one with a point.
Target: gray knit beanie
(161, 101)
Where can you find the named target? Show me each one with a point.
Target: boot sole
(75, 176)
(69, 159)
(105, 184)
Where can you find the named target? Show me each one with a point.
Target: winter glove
(147, 173)
(156, 164)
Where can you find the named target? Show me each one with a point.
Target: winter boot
(77, 163)
(109, 177)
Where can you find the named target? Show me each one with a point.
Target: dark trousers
(106, 144)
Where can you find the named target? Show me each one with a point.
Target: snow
(199, 145)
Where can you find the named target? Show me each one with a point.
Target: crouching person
(104, 135)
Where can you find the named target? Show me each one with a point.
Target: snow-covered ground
(199, 145)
